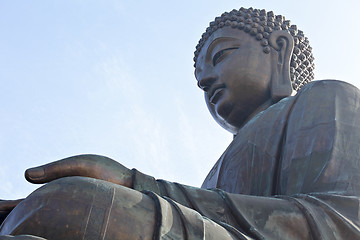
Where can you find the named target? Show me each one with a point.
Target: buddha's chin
(234, 117)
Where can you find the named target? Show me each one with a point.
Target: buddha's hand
(21, 237)
(93, 166)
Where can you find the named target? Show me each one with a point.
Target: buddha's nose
(207, 80)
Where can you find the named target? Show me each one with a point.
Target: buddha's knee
(83, 208)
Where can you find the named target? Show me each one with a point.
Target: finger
(94, 166)
(72, 166)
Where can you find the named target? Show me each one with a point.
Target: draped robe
(291, 172)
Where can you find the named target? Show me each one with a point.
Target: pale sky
(115, 78)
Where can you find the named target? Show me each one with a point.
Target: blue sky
(116, 78)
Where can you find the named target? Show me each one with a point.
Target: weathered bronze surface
(291, 172)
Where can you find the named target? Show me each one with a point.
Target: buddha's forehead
(221, 35)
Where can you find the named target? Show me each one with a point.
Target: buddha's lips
(215, 93)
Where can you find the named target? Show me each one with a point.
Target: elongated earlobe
(282, 43)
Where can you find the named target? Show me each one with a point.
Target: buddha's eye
(222, 54)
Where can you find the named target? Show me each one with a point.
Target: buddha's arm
(211, 214)
(302, 216)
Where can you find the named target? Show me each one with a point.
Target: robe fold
(291, 172)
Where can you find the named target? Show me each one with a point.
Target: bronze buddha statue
(291, 172)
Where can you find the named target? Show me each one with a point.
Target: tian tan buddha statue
(291, 172)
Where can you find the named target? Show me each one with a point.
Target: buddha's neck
(261, 108)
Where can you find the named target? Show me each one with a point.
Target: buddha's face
(235, 74)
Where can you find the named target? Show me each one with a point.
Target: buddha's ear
(283, 44)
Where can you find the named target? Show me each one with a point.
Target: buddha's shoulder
(320, 98)
(321, 94)
(321, 88)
